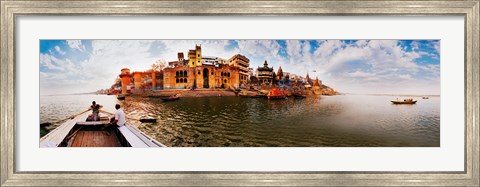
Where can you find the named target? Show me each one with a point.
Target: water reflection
(346, 120)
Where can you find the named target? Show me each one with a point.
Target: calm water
(345, 120)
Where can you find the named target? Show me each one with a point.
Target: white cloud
(59, 51)
(76, 44)
(375, 65)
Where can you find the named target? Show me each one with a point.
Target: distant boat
(425, 98)
(407, 101)
(121, 97)
(171, 98)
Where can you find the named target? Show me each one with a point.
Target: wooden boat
(299, 94)
(261, 94)
(243, 94)
(276, 93)
(121, 97)
(77, 132)
(170, 98)
(411, 102)
(425, 98)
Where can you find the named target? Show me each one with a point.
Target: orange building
(243, 64)
(194, 73)
(184, 77)
(125, 76)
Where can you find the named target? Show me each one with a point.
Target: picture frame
(10, 10)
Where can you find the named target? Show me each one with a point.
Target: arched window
(185, 73)
(181, 80)
(176, 80)
(176, 73)
(228, 74)
(185, 80)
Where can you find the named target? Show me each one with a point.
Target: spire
(317, 82)
(265, 64)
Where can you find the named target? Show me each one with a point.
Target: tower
(195, 56)
(125, 76)
(198, 50)
(280, 73)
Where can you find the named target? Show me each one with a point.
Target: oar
(70, 117)
(145, 120)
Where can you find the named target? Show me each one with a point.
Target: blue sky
(350, 66)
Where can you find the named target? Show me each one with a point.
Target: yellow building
(195, 57)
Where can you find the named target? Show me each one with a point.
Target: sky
(349, 66)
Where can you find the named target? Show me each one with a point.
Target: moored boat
(276, 93)
(121, 97)
(171, 98)
(78, 132)
(425, 98)
(299, 94)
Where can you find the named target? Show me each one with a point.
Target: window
(185, 80)
(176, 81)
(199, 72)
(198, 55)
(212, 72)
(185, 73)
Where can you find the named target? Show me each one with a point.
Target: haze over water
(332, 121)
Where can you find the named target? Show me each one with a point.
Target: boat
(78, 132)
(262, 93)
(254, 95)
(170, 98)
(299, 95)
(243, 94)
(155, 96)
(121, 97)
(406, 101)
(276, 93)
(425, 98)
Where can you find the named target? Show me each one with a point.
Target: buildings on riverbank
(207, 72)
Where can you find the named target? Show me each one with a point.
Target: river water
(331, 121)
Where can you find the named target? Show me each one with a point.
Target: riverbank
(185, 93)
(214, 93)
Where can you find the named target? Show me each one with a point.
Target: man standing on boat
(117, 121)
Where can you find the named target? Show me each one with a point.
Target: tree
(159, 65)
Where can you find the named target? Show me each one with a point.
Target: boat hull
(403, 102)
(77, 132)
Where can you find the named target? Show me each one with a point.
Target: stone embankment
(187, 93)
